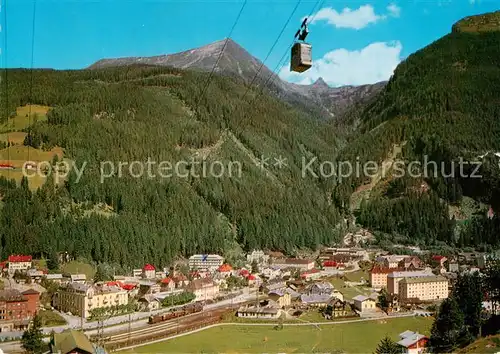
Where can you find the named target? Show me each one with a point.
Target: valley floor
(357, 337)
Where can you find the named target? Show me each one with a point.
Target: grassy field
(51, 318)
(13, 137)
(23, 119)
(351, 291)
(77, 267)
(361, 337)
(486, 345)
(17, 155)
(358, 275)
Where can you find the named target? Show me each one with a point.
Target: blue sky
(354, 42)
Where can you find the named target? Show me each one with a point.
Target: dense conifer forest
(442, 102)
(441, 105)
(135, 113)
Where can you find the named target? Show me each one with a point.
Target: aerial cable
(270, 50)
(30, 137)
(6, 87)
(273, 74)
(207, 84)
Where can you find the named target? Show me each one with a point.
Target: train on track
(179, 312)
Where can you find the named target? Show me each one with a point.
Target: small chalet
(6, 166)
(282, 298)
(439, 260)
(225, 270)
(410, 263)
(412, 342)
(257, 312)
(167, 284)
(71, 342)
(320, 288)
(315, 300)
(337, 308)
(149, 303)
(364, 303)
(330, 266)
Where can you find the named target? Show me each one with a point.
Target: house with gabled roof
(71, 342)
(364, 303)
(413, 342)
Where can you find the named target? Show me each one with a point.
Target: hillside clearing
(23, 119)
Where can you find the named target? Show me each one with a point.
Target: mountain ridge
(319, 98)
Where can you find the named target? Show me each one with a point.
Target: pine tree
(492, 281)
(383, 300)
(468, 292)
(255, 267)
(32, 339)
(103, 273)
(447, 328)
(388, 346)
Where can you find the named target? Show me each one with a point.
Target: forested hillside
(134, 113)
(442, 104)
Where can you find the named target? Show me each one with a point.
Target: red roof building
(251, 277)
(19, 258)
(439, 259)
(225, 268)
(19, 262)
(244, 272)
(310, 274)
(128, 287)
(148, 267)
(330, 264)
(378, 276)
(166, 280)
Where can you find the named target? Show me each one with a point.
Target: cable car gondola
(301, 58)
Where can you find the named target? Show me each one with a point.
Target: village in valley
(348, 283)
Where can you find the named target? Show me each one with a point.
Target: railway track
(166, 329)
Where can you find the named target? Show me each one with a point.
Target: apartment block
(378, 276)
(205, 261)
(80, 299)
(394, 278)
(428, 288)
(298, 263)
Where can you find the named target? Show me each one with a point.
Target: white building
(204, 289)
(257, 312)
(395, 277)
(364, 303)
(298, 263)
(205, 261)
(78, 278)
(412, 342)
(260, 257)
(58, 278)
(271, 272)
(19, 262)
(80, 299)
(149, 271)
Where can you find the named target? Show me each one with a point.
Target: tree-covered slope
(442, 104)
(103, 117)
